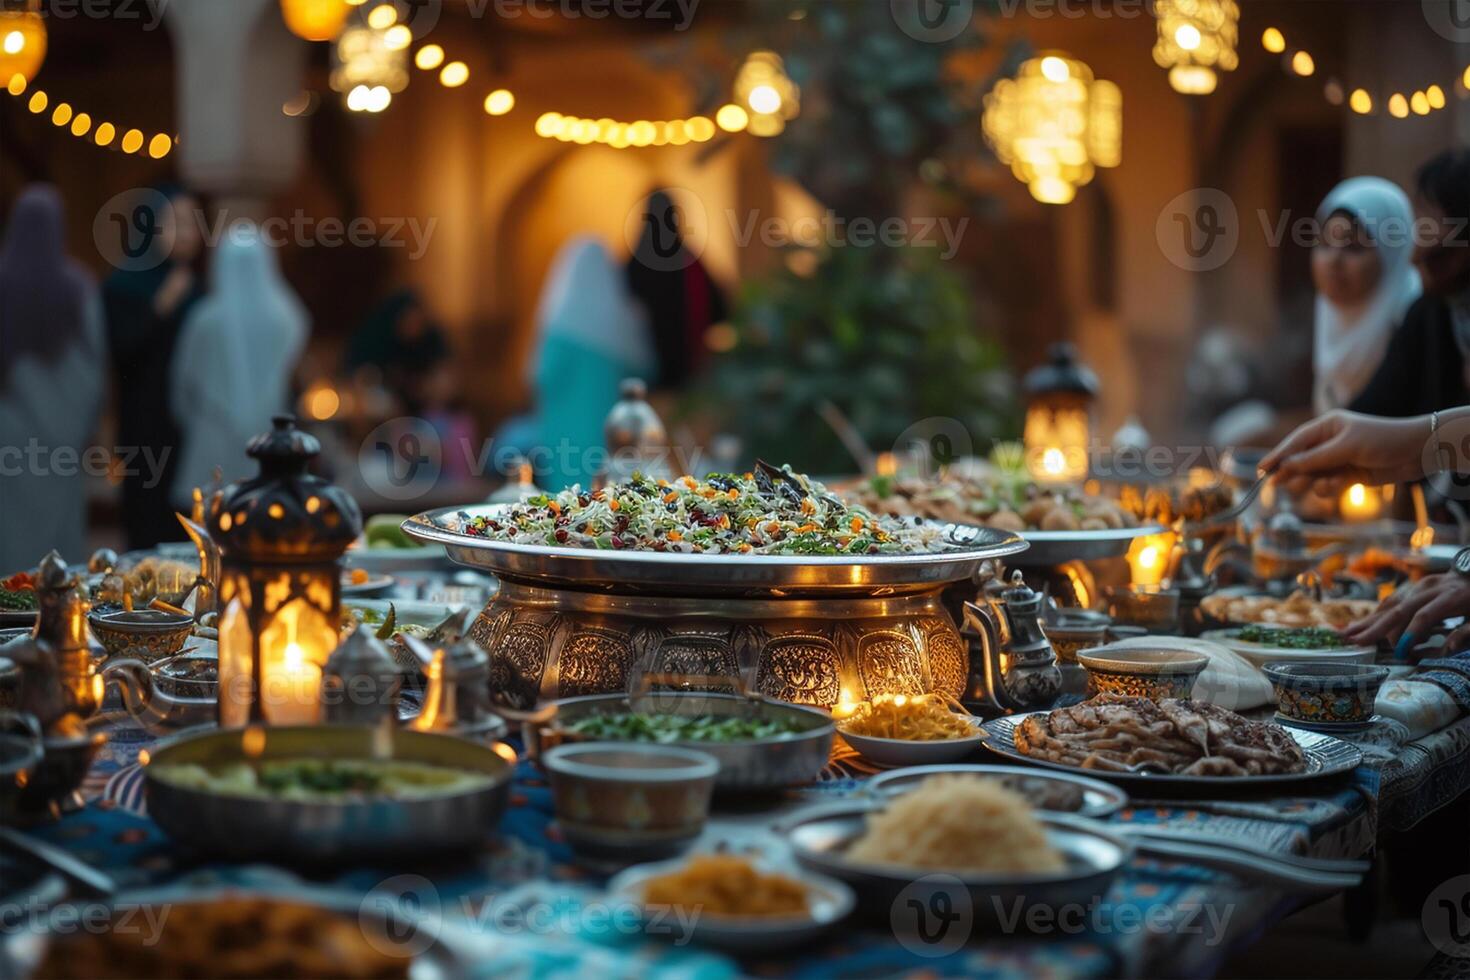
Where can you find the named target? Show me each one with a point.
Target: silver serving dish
(440, 949)
(1325, 755)
(828, 902)
(759, 764)
(819, 838)
(1057, 792)
(241, 827)
(685, 574)
(1048, 548)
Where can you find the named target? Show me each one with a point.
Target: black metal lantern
(281, 537)
(1059, 399)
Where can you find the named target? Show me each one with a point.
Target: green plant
(889, 336)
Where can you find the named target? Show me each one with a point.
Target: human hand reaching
(1340, 448)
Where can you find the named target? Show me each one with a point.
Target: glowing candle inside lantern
(1148, 558)
(1360, 503)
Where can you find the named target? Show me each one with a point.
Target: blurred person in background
(680, 299)
(51, 381)
(1362, 267)
(403, 344)
(145, 309)
(590, 336)
(236, 356)
(1425, 366)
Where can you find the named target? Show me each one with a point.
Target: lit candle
(293, 689)
(1360, 503)
(1148, 558)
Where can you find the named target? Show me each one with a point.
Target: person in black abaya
(144, 308)
(678, 295)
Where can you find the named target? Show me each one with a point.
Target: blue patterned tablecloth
(1158, 917)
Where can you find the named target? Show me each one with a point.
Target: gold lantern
(368, 68)
(1059, 399)
(315, 20)
(765, 94)
(1054, 124)
(22, 43)
(281, 538)
(1196, 39)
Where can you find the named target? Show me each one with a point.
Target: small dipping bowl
(1325, 693)
(1155, 609)
(625, 802)
(1073, 630)
(193, 675)
(1142, 672)
(148, 634)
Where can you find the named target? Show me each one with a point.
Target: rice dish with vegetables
(769, 511)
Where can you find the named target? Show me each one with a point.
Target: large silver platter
(1326, 756)
(1049, 548)
(615, 571)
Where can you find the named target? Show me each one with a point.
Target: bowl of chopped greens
(766, 529)
(760, 744)
(1262, 643)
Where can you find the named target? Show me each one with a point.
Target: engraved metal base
(556, 643)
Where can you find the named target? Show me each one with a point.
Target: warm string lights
(82, 126)
(1399, 105)
(620, 135)
(764, 99)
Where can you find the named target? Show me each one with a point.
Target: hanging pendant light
(315, 20)
(22, 44)
(1054, 124)
(1196, 41)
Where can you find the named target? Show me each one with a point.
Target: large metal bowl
(691, 574)
(759, 764)
(253, 828)
(820, 837)
(1049, 548)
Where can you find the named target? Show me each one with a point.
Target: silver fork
(1232, 512)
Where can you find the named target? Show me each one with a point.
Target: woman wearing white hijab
(1365, 278)
(235, 357)
(590, 337)
(51, 364)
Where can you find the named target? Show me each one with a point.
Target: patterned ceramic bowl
(629, 801)
(1142, 672)
(1325, 693)
(1076, 630)
(148, 634)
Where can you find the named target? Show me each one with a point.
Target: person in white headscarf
(1363, 269)
(590, 336)
(51, 378)
(233, 366)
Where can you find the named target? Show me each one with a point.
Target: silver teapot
(1012, 664)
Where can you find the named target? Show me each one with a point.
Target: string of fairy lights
(1398, 104)
(23, 51)
(99, 133)
(371, 60)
